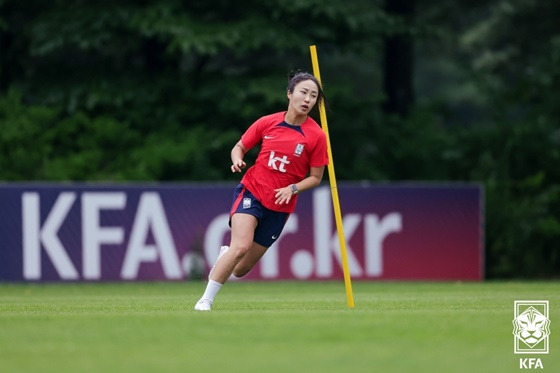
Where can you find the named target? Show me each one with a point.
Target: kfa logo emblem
(531, 327)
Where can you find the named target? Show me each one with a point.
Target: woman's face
(304, 97)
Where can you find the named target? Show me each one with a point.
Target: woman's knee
(239, 251)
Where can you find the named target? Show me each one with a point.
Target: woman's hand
(238, 165)
(283, 195)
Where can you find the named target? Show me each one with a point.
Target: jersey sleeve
(254, 134)
(319, 156)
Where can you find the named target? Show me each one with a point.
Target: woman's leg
(242, 233)
(254, 254)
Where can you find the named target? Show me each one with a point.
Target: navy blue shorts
(270, 223)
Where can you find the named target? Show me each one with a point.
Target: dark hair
(297, 76)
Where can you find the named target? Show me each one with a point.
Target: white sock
(211, 290)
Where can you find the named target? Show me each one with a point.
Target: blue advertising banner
(158, 232)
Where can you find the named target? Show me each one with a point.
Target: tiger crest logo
(531, 327)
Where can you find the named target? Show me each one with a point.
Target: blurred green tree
(181, 80)
(499, 64)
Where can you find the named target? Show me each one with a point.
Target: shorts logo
(299, 150)
(246, 203)
(531, 327)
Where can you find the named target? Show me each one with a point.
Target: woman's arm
(237, 154)
(284, 195)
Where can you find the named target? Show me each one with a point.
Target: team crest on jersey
(299, 150)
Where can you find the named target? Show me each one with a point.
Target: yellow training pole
(334, 190)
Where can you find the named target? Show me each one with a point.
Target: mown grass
(267, 327)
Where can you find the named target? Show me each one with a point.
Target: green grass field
(268, 327)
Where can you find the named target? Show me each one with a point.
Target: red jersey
(286, 155)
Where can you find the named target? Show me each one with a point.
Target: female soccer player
(292, 159)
